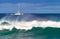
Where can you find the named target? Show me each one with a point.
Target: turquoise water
(34, 33)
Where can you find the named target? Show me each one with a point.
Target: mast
(18, 7)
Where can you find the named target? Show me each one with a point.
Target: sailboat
(18, 13)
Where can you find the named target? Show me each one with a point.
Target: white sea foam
(29, 24)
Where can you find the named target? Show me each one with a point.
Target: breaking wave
(29, 24)
(27, 21)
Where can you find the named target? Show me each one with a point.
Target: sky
(30, 6)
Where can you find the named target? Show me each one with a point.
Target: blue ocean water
(33, 16)
(34, 33)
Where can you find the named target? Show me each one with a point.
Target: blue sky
(30, 6)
